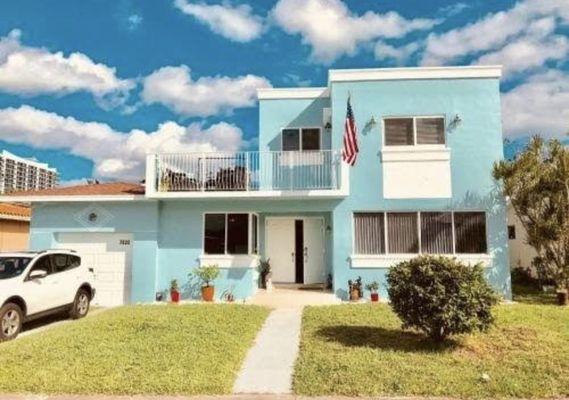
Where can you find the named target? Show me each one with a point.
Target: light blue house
(428, 138)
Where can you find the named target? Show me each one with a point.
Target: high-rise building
(18, 174)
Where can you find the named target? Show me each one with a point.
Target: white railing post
(152, 178)
(203, 171)
(247, 171)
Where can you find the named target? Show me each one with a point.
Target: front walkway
(290, 296)
(269, 364)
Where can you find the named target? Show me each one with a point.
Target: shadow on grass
(531, 295)
(382, 338)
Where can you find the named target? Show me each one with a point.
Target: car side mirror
(38, 274)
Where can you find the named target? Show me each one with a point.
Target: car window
(42, 264)
(74, 261)
(59, 262)
(10, 267)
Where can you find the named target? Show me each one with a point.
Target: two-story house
(428, 138)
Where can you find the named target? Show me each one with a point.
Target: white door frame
(303, 218)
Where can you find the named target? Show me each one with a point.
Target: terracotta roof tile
(14, 210)
(99, 189)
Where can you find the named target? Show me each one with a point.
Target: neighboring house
(17, 174)
(521, 253)
(14, 227)
(428, 138)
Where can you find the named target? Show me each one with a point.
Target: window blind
(369, 233)
(402, 233)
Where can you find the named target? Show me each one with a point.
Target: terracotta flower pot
(355, 295)
(563, 298)
(175, 296)
(375, 297)
(207, 293)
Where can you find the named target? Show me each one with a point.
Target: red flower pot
(375, 297)
(175, 296)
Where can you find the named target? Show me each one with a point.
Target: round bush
(441, 296)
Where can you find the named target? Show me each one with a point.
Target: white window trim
(405, 256)
(300, 133)
(249, 214)
(415, 144)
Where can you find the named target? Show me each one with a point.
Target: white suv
(35, 284)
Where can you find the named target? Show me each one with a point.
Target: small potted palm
(373, 287)
(207, 274)
(265, 273)
(174, 291)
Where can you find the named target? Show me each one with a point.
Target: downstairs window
(420, 233)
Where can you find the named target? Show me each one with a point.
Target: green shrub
(207, 273)
(441, 296)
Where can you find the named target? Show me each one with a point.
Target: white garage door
(110, 256)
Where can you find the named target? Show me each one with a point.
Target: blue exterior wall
(138, 218)
(277, 114)
(168, 237)
(168, 234)
(475, 145)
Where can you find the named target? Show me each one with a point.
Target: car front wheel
(81, 304)
(11, 319)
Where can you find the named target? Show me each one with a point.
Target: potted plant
(264, 272)
(174, 291)
(355, 289)
(207, 273)
(373, 287)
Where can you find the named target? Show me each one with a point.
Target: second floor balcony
(246, 174)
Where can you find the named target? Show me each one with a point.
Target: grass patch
(532, 295)
(190, 349)
(361, 350)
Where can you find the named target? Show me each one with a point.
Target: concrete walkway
(293, 297)
(269, 365)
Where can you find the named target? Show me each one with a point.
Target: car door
(38, 292)
(64, 278)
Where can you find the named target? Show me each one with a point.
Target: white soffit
(292, 93)
(378, 74)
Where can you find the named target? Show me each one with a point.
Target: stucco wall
(140, 218)
(475, 145)
(277, 114)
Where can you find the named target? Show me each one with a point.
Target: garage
(110, 256)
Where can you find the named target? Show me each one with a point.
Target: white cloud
(532, 50)
(174, 88)
(454, 9)
(332, 30)
(538, 106)
(384, 51)
(491, 32)
(32, 71)
(117, 155)
(134, 21)
(234, 23)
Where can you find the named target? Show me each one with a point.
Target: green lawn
(361, 350)
(190, 349)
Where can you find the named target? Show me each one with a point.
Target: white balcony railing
(247, 171)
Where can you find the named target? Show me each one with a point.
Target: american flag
(350, 151)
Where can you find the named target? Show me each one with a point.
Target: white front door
(110, 257)
(280, 249)
(314, 250)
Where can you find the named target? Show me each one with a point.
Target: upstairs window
(300, 139)
(412, 131)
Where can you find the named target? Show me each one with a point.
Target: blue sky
(90, 86)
